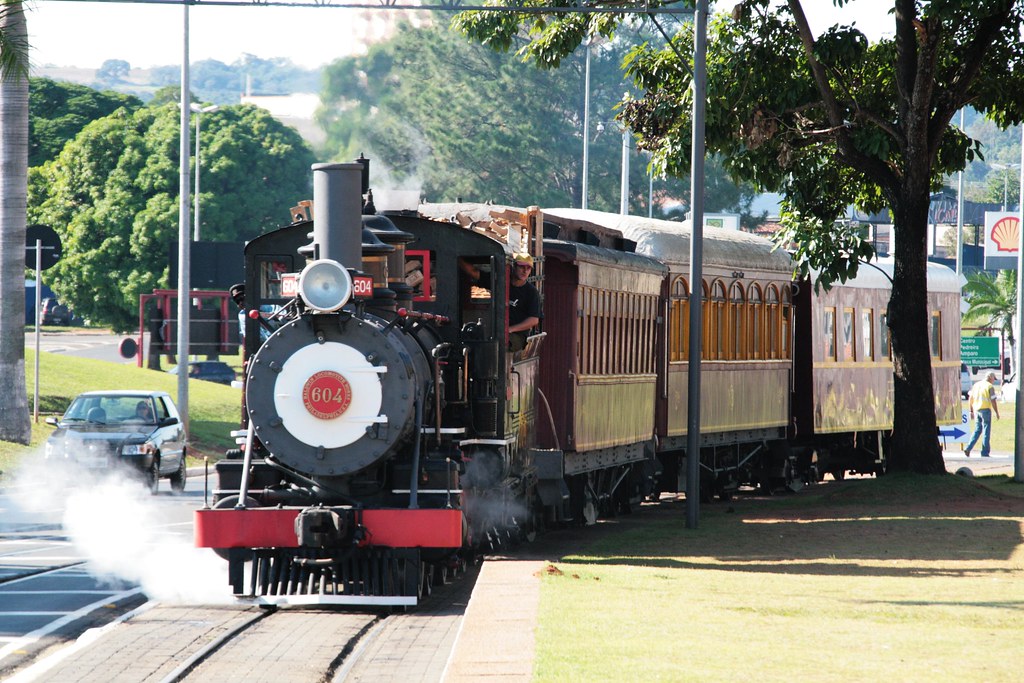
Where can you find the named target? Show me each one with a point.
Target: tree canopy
(59, 110)
(455, 120)
(827, 120)
(112, 196)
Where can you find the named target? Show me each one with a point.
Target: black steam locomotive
(392, 428)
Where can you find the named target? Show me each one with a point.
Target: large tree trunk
(915, 444)
(15, 424)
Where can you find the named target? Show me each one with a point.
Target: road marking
(33, 636)
(40, 667)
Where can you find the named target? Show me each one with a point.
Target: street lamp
(624, 180)
(199, 111)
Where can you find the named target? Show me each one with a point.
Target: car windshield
(111, 409)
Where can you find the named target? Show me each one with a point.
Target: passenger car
(54, 313)
(965, 381)
(208, 370)
(108, 430)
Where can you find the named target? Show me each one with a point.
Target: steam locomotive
(392, 428)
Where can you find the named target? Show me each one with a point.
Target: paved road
(76, 553)
(95, 344)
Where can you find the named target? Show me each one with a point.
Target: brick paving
(147, 647)
(293, 646)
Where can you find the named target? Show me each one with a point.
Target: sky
(85, 34)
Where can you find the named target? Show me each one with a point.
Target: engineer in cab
(524, 310)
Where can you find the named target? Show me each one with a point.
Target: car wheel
(179, 476)
(153, 477)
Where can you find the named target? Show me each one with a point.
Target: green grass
(904, 578)
(214, 409)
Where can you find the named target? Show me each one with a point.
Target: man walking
(982, 402)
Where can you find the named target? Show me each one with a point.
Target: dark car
(54, 313)
(139, 432)
(208, 370)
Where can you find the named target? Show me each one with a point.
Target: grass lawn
(214, 409)
(901, 578)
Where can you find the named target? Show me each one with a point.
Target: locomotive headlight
(325, 285)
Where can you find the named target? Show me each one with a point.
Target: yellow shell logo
(1006, 233)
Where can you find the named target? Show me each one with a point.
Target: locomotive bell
(388, 233)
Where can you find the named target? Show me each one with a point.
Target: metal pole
(624, 186)
(195, 200)
(960, 214)
(1018, 440)
(39, 314)
(184, 261)
(650, 193)
(586, 123)
(700, 20)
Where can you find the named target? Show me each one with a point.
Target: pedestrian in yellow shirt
(983, 402)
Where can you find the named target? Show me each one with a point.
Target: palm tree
(993, 299)
(15, 424)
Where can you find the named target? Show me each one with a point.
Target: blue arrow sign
(960, 433)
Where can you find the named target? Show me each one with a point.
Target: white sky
(85, 34)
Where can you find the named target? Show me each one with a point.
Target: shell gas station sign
(1002, 238)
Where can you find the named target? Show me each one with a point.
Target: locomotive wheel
(440, 573)
(589, 512)
(426, 582)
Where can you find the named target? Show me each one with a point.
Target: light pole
(1005, 168)
(624, 179)
(586, 123)
(624, 187)
(199, 110)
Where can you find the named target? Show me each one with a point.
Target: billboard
(1002, 239)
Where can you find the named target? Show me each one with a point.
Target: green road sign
(979, 351)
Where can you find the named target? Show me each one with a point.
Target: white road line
(39, 668)
(33, 636)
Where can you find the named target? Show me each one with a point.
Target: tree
(14, 418)
(993, 300)
(112, 195)
(58, 110)
(113, 71)
(828, 121)
(453, 119)
(1002, 187)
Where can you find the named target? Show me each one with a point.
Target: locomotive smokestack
(337, 213)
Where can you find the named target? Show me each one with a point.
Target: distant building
(297, 110)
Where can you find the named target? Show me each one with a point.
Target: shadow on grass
(940, 526)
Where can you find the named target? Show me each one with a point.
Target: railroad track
(188, 643)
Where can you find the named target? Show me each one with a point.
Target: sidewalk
(999, 462)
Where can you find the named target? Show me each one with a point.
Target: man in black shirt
(523, 299)
(524, 310)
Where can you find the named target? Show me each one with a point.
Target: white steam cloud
(120, 530)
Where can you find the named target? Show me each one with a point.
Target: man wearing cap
(523, 299)
(982, 402)
(524, 310)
